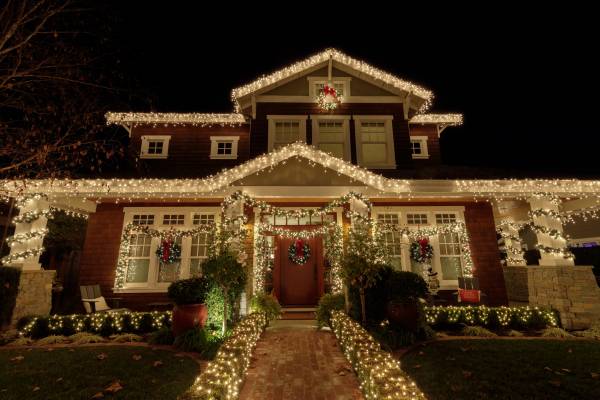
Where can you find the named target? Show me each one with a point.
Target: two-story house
(308, 151)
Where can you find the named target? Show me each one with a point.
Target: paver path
(295, 361)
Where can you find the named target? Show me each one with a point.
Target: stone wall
(516, 281)
(571, 290)
(35, 294)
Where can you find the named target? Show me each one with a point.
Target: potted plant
(190, 310)
(404, 292)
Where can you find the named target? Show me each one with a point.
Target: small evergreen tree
(359, 272)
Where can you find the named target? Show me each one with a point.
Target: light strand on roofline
(174, 119)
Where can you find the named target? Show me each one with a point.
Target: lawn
(81, 373)
(506, 369)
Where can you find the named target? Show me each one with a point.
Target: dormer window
(418, 145)
(155, 146)
(224, 147)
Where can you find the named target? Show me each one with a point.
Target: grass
(506, 369)
(80, 374)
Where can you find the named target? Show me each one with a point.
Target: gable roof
(359, 66)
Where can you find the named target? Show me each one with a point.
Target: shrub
(327, 304)
(105, 324)
(86, 338)
(518, 318)
(404, 287)
(266, 303)
(215, 304)
(593, 332)
(367, 358)
(223, 377)
(188, 291)
(556, 333)
(9, 287)
(126, 338)
(162, 336)
(22, 341)
(477, 331)
(376, 299)
(362, 274)
(194, 339)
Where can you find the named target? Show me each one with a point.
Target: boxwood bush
(104, 324)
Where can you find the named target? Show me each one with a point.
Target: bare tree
(57, 79)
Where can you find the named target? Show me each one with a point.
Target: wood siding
(433, 143)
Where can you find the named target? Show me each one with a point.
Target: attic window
(224, 147)
(155, 146)
(341, 84)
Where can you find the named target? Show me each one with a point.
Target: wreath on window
(421, 251)
(329, 98)
(168, 252)
(299, 252)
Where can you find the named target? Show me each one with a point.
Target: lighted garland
(299, 252)
(224, 375)
(380, 375)
(22, 255)
(21, 238)
(421, 251)
(264, 260)
(503, 317)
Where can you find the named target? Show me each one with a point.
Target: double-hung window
(374, 141)
(450, 249)
(140, 244)
(200, 244)
(286, 129)
(155, 146)
(331, 134)
(418, 146)
(392, 239)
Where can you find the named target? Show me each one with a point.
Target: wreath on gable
(299, 252)
(168, 252)
(421, 251)
(329, 98)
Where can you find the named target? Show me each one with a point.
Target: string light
(441, 119)
(174, 119)
(480, 315)
(22, 255)
(380, 375)
(338, 56)
(223, 377)
(25, 237)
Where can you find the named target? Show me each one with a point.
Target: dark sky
(526, 80)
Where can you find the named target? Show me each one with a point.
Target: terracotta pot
(405, 315)
(188, 316)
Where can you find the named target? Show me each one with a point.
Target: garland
(299, 252)
(421, 251)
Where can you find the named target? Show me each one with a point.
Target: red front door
(299, 284)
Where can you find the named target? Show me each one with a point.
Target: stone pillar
(549, 232)
(35, 294)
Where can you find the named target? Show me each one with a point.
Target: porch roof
(368, 182)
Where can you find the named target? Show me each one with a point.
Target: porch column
(549, 231)
(509, 231)
(30, 229)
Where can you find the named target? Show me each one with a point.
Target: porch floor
(295, 361)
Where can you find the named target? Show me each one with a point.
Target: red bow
(299, 248)
(329, 90)
(423, 246)
(166, 245)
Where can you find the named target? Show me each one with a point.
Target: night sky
(526, 81)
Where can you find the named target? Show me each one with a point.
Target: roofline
(445, 119)
(173, 119)
(324, 56)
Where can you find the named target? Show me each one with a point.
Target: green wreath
(421, 251)
(293, 255)
(168, 252)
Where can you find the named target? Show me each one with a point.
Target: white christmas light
(442, 119)
(173, 119)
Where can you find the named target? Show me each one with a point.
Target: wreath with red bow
(329, 98)
(168, 252)
(421, 251)
(299, 252)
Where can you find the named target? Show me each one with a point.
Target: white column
(512, 242)
(549, 224)
(34, 244)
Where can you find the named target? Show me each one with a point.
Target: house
(308, 151)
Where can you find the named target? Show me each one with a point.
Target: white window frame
(390, 162)
(152, 285)
(146, 139)
(272, 119)
(424, 150)
(214, 147)
(346, 125)
(445, 284)
(313, 81)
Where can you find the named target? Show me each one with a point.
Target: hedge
(104, 324)
(378, 372)
(224, 376)
(9, 287)
(518, 318)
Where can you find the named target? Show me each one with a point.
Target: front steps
(298, 313)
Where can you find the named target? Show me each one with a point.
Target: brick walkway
(294, 361)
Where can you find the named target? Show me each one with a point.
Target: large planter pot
(405, 315)
(188, 316)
